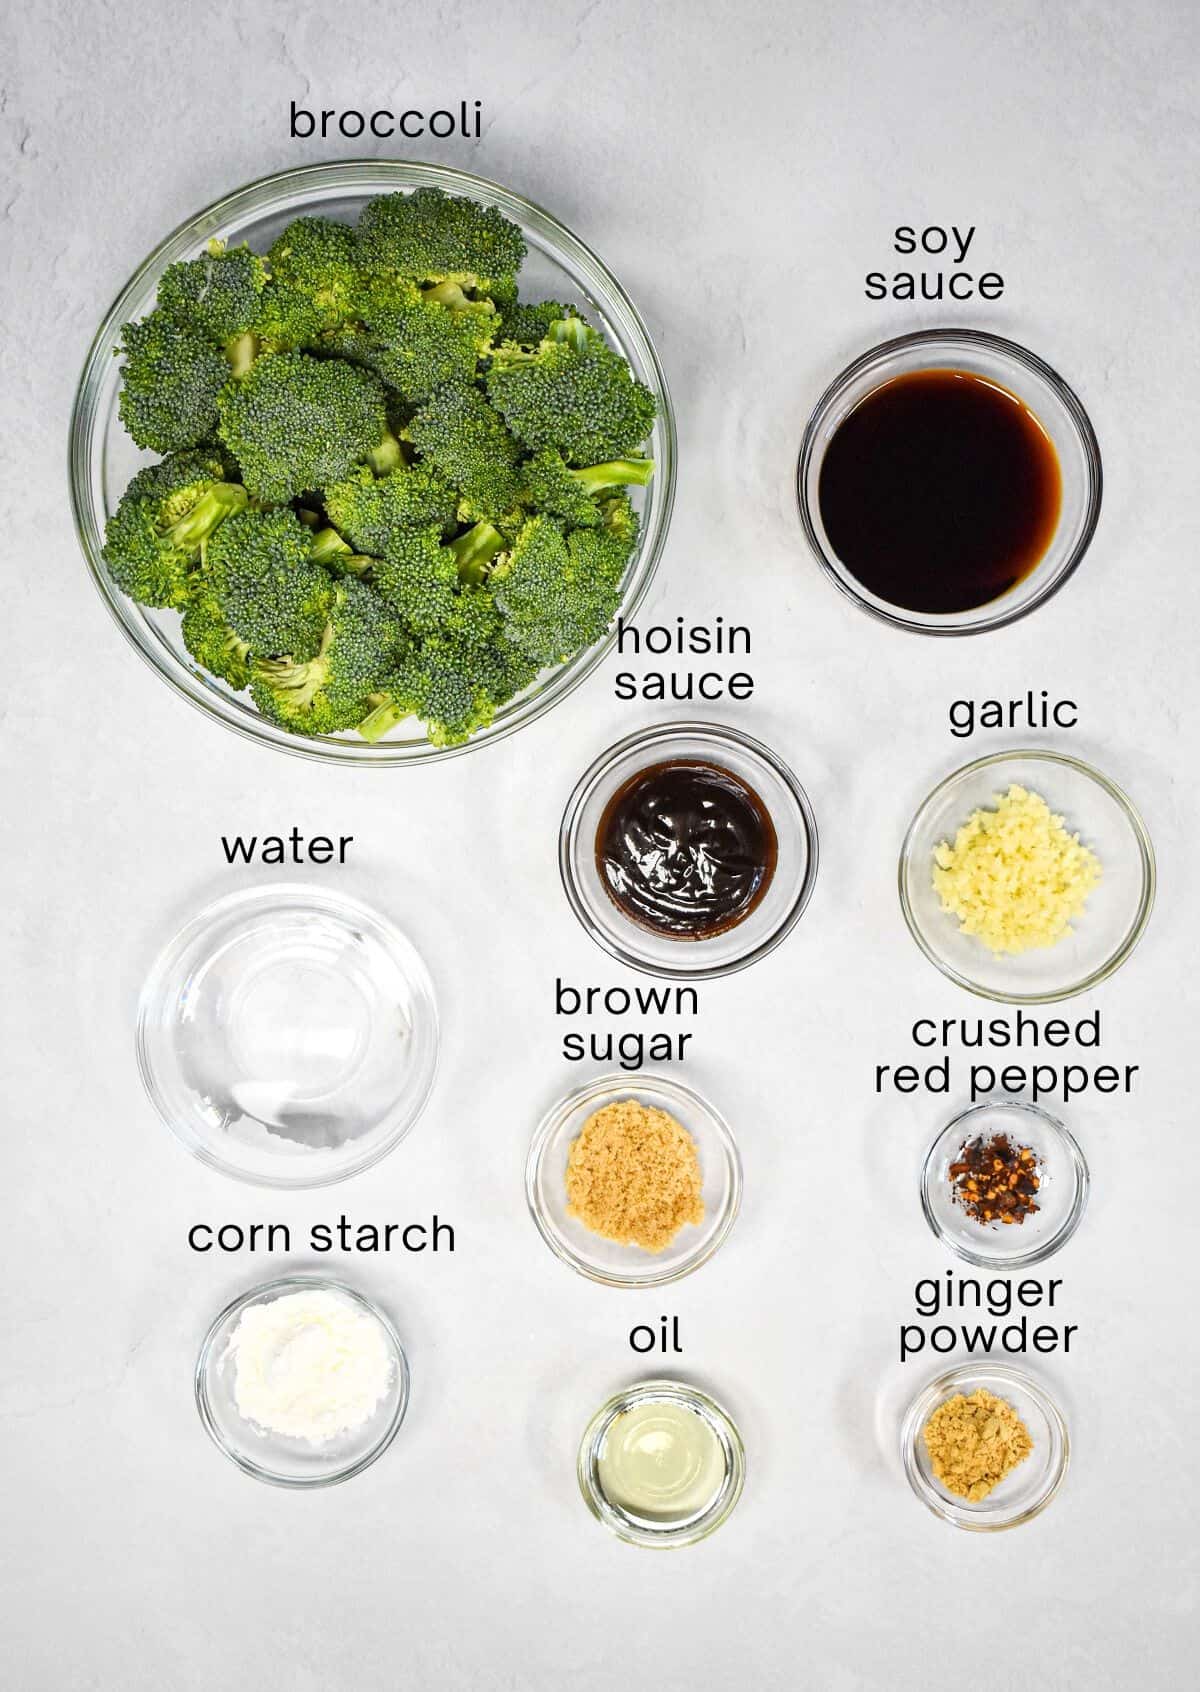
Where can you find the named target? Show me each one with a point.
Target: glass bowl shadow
(1061, 1199)
(1018, 371)
(1113, 919)
(280, 1459)
(103, 458)
(608, 1261)
(1026, 1490)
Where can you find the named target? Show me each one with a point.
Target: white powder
(311, 1365)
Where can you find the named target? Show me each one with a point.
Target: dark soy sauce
(940, 491)
(686, 849)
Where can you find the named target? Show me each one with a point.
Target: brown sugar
(973, 1441)
(633, 1175)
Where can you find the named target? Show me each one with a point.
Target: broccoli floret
(460, 433)
(362, 646)
(315, 283)
(599, 557)
(165, 518)
(171, 381)
(456, 679)
(546, 615)
(430, 236)
(296, 423)
(266, 587)
(574, 394)
(527, 324)
(417, 578)
(420, 340)
(553, 487)
(336, 555)
(212, 643)
(367, 509)
(219, 293)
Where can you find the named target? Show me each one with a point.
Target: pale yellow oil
(662, 1462)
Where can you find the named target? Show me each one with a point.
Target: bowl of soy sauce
(949, 482)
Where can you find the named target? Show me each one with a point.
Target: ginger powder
(1015, 877)
(633, 1175)
(974, 1440)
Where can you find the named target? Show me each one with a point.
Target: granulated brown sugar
(633, 1175)
(974, 1441)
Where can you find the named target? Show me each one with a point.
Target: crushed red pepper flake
(996, 1180)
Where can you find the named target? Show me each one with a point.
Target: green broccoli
(211, 641)
(574, 394)
(366, 509)
(336, 555)
(417, 578)
(266, 588)
(460, 433)
(546, 615)
(430, 236)
(527, 324)
(161, 527)
(456, 679)
(296, 423)
(315, 284)
(419, 340)
(550, 485)
(362, 646)
(220, 294)
(170, 384)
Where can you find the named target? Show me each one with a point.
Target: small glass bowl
(1061, 1200)
(277, 1458)
(103, 458)
(771, 920)
(638, 1530)
(608, 1261)
(288, 1036)
(1117, 909)
(1052, 402)
(1022, 1494)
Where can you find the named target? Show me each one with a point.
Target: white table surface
(740, 168)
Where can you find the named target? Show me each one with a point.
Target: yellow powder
(974, 1441)
(633, 1175)
(1014, 877)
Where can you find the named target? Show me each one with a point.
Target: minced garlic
(1014, 877)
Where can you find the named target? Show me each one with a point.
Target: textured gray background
(739, 168)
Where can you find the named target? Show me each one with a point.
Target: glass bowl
(608, 1261)
(641, 1530)
(288, 1036)
(769, 922)
(1045, 393)
(1062, 1195)
(103, 458)
(1117, 910)
(1022, 1494)
(280, 1459)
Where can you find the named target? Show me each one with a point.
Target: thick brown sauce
(940, 491)
(686, 849)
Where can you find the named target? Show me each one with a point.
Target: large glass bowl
(103, 458)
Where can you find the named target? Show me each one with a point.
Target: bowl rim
(399, 174)
(713, 1413)
(247, 898)
(635, 1081)
(1055, 1129)
(647, 738)
(943, 1386)
(255, 1295)
(1145, 903)
(943, 336)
